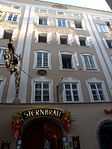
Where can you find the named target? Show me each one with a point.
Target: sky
(94, 4)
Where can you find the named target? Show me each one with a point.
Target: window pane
(74, 86)
(10, 16)
(68, 95)
(2, 52)
(46, 95)
(45, 59)
(39, 59)
(67, 86)
(38, 95)
(15, 18)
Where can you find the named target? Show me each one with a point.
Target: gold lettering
(37, 112)
(46, 112)
(42, 112)
(25, 114)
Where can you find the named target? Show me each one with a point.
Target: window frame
(71, 80)
(49, 37)
(57, 23)
(94, 80)
(13, 15)
(1, 55)
(89, 62)
(2, 86)
(35, 60)
(74, 60)
(42, 80)
(102, 28)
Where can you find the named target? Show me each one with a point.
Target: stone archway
(105, 135)
(38, 131)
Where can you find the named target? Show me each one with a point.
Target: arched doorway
(105, 135)
(40, 133)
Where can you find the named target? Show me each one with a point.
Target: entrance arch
(105, 135)
(42, 132)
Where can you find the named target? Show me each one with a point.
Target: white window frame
(49, 36)
(105, 42)
(88, 40)
(35, 60)
(2, 86)
(14, 34)
(8, 14)
(43, 10)
(70, 39)
(42, 80)
(57, 13)
(72, 80)
(84, 64)
(66, 22)
(94, 80)
(43, 19)
(1, 55)
(103, 28)
(74, 60)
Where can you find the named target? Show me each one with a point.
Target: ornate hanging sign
(19, 118)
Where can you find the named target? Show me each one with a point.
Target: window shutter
(18, 17)
(58, 38)
(49, 60)
(83, 24)
(73, 61)
(98, 26)
(77, 39)
(15, 31)
(1, 32)
(72, 23)
(76, 58)
(6, 17)
(60, 59)
(49, 38)
(36, 20)
(48, 21)
(70, 39)
(36, 36)
(88, 41)
(104, 40)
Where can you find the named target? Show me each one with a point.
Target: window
(67, 61)
(43, 21)
(82, 41)
(97, 90)
(71, 90)
(89, 62)
(12, 17)
(78, 24)
(42, 90)
(42, 59)
(7, 34)
(60, 12)
(66, 39)
(102, 28)
(43, 11)
(61, 23)
(1, 81)
(63, 40)
(42, 38)
(2, 52)
(109, 43)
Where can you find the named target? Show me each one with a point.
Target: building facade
(65, 91)
(109, 3)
